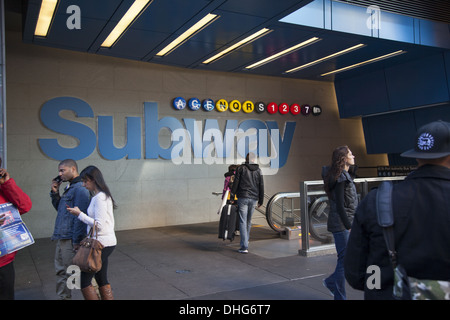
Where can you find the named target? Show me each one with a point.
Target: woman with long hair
(100, 212)
(341, 191)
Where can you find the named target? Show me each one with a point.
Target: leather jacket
(249, 183)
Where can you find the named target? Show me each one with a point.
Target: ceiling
(436, 10)
(163, 20)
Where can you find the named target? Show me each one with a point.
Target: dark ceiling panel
(228, 27)
(168, 16)
(164, 20)
(266, 9)
(436, 10)
(134, 41)
(91, 9)
(72, 39)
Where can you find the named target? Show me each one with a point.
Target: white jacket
(100, 210)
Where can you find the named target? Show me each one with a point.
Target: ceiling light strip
(45, 17)
(239, 44)
(203, 23)
(386, 56)
(334, 55)
(133, 12)
(283, 53)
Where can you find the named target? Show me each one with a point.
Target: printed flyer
(14, 234)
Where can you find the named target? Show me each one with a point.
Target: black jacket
(421, 206)
(343, 201)
(249, 183)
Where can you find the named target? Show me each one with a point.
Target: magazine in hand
(14, 234)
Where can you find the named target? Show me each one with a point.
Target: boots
(106, 292)
(89, 293)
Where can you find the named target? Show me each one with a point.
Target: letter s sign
(51, 119)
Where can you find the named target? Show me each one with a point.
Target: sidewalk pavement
(189, 262)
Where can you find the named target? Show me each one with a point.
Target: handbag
(405, 287)
(89, 256)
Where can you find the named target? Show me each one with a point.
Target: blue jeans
(336, 281)
(246, 207)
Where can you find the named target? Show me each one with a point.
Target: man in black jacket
(248, 186)
(421, 209)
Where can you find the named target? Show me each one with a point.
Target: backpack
(405, 287)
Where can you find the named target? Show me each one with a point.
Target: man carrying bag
(421, 216)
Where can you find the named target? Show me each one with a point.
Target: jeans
(246, 207)
(336, 281)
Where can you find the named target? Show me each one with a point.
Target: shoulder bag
(405, 287)
(89, 255)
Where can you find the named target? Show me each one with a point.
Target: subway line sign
(191, 142)
(223, 105)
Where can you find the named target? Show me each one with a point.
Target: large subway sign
(204, 142)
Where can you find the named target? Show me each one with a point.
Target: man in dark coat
(248, 186)
(421, 207)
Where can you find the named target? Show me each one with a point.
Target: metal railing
(279, 215)
(310, 212)
(314, 189)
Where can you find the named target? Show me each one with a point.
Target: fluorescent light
(241, 43)
(136, 8)
(386, 56)
(45, 17)
(283, 53)
(358, 46)
(209, 18)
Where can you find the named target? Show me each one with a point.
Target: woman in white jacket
(100, 211)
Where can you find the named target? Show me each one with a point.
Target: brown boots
(106, 292)
(89, 293)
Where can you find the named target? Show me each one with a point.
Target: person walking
(343, 198)
(101, 213)
(248, 186)
(10, 192)
(68, 231)
(421, 209)
(228, 183)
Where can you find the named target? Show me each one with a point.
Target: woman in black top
(341, 191)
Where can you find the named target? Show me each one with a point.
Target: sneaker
(243, 250)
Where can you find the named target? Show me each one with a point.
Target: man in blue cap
(421, 209)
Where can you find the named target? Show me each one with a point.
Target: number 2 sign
(284, 108)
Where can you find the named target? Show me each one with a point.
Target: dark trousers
(102, 276)
(7, 277)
